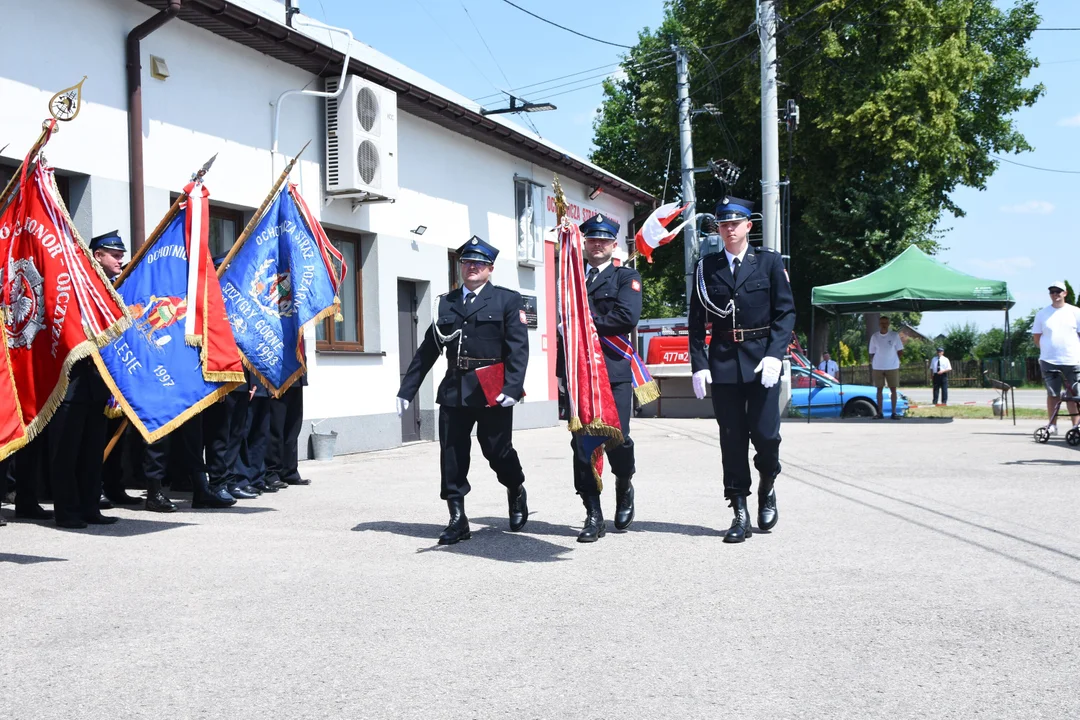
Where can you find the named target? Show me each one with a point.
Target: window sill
(365, 353)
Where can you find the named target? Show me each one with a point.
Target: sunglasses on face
(1055, 291)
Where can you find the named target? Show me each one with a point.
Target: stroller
(1069, 394)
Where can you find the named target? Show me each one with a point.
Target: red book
(491, 380)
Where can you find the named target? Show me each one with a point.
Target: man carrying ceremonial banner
(277, 278)
(179, 355)
(594, 415)
(58, 306)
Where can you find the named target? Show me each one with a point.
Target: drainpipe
(135, 137)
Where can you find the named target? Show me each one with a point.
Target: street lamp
(525, 106)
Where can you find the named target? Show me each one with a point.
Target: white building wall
(219, 98)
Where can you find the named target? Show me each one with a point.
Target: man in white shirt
(1055, 334)
(828, 365)
(940, 367)
(886, 348)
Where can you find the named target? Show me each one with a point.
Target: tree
(919, 350)
(1020, 342)
(960, 341)
(901, 102)
(1070, 296)
(991, 344)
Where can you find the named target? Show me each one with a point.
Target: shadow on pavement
(28, 559)
(1064, 463)
(234, 510)
(674, 528)
(129, 527)
(494, 542)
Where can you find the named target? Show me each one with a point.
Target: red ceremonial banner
(58, 306)
(208, 326)
(594, 418)
(12, 430)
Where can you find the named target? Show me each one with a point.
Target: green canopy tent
(912, 282)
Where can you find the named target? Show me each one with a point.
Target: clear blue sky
(1016, 230)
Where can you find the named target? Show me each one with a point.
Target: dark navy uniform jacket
(615, 302)
(762, 297)
(493, 329)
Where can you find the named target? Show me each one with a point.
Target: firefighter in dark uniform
(109, 251)
(480, 325)
(615, 304)
(746, 296)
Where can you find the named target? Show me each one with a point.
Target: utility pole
(770, 138)
(686, 155)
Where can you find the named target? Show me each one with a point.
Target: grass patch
(970, 411)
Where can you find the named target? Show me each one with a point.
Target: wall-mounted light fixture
(420, 230)
(595, 192)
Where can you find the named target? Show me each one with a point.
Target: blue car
(822, 396)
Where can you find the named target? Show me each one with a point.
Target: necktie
(469, 298)
(735, 269)
(593, 272)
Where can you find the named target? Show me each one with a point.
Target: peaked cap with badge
(108, 241)
(478, 250)
(733, 209)
(600, 227)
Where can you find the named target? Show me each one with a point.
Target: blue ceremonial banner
(277, 281)
(159, 378)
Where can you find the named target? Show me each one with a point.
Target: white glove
(702, 380)
(402, 406)
(770, 368)
(506, 401)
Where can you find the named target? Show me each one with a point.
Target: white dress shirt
(731, 258)
(940, 363)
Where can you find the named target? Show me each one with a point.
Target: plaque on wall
(528, 304)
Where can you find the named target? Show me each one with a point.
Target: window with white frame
(529, 206)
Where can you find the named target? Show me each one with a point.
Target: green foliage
(1020, 342)
(902, 102)
(1070, 296)
(918, 350)
(960, 341)
(991, 344)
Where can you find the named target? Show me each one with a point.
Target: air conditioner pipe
(312, 93)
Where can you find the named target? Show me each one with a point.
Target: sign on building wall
(528, 304)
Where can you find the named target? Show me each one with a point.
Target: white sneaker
(1052, 429)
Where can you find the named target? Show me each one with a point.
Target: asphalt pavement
(919, 569)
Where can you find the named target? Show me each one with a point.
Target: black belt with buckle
(471, 363)
(739, 335)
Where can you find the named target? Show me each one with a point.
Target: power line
(527, 119)
(595, 84)
(609, 70)
(1033, 167)
(563, 27)
(453, 42)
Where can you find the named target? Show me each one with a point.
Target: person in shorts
(1055, 334)
(886, 349)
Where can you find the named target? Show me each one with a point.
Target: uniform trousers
(31, 471)
(494, 431)
(621, 457)
(181, 449)
(223, 438)
(256, 441)
(941, 384)
(112, 470)
(76, 444)
(286, 417)
(747, 412)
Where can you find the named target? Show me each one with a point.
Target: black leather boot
(594, 520)
(740, 526)
(458, 529)
(519, 507)
(205, 496)
(119, 496)
(157, 502)
(767, 514)
(624, 503)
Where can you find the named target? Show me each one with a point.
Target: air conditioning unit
(361, 141)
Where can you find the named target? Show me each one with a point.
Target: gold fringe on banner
(646, 393)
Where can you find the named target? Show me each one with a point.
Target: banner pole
(197, 178)
(115, 438)
(258, 216)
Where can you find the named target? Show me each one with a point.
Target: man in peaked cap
(481, 326)
(746, 297)
(109, 250)
(615, 303)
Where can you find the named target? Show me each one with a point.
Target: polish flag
(654, 232)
